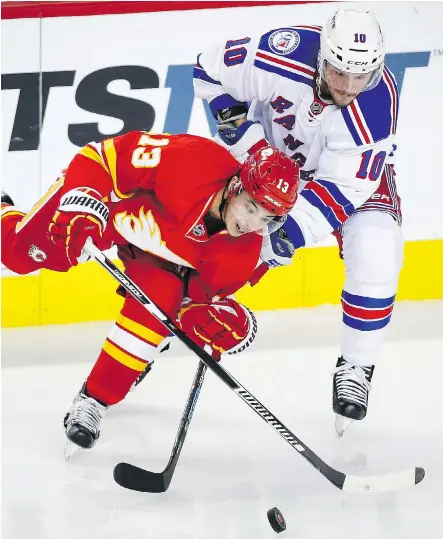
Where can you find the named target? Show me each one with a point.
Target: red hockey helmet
(272, 179)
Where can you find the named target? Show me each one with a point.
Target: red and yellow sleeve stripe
(89, 151)
(110, 159)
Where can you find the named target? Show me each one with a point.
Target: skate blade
(342, 424)
(70, 450)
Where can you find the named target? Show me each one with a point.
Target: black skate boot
(82, 422)
(351, 386)
(6, 199)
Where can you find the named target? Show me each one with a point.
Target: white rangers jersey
(342, 151)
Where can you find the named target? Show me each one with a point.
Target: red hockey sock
(132, 341)
(110, 379)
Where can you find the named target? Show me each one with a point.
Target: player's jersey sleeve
(359, 142)
(117, 166)
(249, 68)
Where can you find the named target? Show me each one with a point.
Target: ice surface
(233, 467)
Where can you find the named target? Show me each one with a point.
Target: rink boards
(147, 73)
(315, 277)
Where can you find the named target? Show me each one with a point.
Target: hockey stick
(134, 478)
(346, 482)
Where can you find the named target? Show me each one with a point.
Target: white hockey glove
(277, 249)
(241, 141)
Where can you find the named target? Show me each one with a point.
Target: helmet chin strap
(232, 189)
(328, 100)
(222, 205)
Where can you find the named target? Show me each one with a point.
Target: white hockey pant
(373, 256)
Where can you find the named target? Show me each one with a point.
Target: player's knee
(373, 251)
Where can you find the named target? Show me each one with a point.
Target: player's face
(245, 215)
(344, 87)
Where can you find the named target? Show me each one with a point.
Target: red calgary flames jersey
(158, 189)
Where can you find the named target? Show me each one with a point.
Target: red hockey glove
(226, 326)
(81, 215)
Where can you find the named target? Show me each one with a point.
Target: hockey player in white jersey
(324, 96)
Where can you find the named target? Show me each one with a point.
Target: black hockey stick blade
(135, 478)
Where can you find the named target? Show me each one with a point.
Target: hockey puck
(276, 520)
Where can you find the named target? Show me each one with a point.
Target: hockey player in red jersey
(188, 222)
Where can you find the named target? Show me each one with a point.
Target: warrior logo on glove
(81, 215)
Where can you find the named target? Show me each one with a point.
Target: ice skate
(82, 423)
(6, 199)
(351, 386)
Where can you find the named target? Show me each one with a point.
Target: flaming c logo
(37, 254)
(144, 232)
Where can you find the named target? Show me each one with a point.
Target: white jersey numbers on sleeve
(144, 158)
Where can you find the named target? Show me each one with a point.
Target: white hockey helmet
(352, 42)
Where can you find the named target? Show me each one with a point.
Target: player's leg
(129, 349)
(373, 254)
